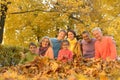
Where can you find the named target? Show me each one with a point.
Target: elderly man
(88, 48)
(104, 45)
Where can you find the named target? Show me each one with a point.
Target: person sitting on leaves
(28, 57)
(74, 44)
(105, 47)
(56, 42)
(88, 45)
(45, 48)
(64, 53)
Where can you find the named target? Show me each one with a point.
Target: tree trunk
(2, 20)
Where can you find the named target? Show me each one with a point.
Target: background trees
(29, 20)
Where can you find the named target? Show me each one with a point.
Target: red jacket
(65, 55)
(105, 49)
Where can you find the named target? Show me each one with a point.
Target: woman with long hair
(74, 43)
(45, 48)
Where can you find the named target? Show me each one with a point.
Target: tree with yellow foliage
(29, 20)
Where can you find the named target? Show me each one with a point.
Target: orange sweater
(105, 49)
(49, 53)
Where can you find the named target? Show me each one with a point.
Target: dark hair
(32, 44)
(65, 41)
(62, 31)
(72, 31)
(85, 32)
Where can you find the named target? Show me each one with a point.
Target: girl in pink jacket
(64, 53)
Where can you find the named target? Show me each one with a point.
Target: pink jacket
(65, 55)
(105, 49)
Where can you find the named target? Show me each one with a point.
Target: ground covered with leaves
(78, 69)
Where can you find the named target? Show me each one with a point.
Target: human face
(45, 42)
(86, 37)
(32, 48)
(97, 34)
(61, 35)
(71, 35)
(65, 45)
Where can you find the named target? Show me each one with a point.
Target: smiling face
(65, 45)
(32, 48)
(71, 35)
(86, 37)
(45, 42)
(97, 34)
(61, 35)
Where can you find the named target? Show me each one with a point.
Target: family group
(65, 47)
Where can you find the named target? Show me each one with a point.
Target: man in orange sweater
(104, 46)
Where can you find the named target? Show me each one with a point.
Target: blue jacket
(56, 46)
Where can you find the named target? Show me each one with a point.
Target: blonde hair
(45, 37)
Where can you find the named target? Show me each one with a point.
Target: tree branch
(32, 11)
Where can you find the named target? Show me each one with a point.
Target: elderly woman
(45, 48)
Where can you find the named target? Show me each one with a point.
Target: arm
(79, 48)
(113, 52)
(97, 54)
(23, 59)
(37, 51)
(70, 56)
(49, 53)
(60, 56)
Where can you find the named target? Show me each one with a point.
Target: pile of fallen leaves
(48, 69)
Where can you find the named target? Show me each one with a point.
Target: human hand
(65, 57)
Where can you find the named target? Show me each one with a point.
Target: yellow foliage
(103, 76)
(47, 69)
(29, 20)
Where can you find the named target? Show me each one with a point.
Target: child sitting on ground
(65, 54)
(31, 55)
